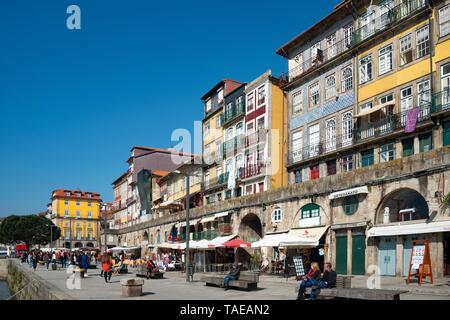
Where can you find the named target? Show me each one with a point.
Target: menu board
(417, 256)
(298, 263)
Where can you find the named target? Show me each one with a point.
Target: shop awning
(222, 214)
(374, 109)
(165, 245)
(310, 236)
(349, 192)
(191, 223)
(406, 229)
(214, 217)
(219, 241)
(208, 219)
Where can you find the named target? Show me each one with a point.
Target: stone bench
(132, 287)
(360, 294)
(247, 280)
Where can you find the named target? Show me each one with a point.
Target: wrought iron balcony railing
(253, 170)
(441, 101)
(233, 145)
(256, 138)
(217, 181)
(387, 20)
(232, 113)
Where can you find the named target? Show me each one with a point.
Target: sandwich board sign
(299, 268)
(420, 263)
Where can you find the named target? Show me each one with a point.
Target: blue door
(386, 256)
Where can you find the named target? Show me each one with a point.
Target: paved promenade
(174, 287)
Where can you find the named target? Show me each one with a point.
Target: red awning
(237, 243)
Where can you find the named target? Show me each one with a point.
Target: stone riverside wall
(31, 286)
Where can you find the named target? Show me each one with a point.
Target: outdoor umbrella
(237, 243)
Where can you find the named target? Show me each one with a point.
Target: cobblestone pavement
(174, 287)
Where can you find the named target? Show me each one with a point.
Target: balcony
(441, 101)
(234, 112)
(387, 20)
(130, 200)
(205, 235)
(253, 170)
(256, 138)
(319, 149)
(213, 158)
(232, 146)
(217, 181)
(389, 124)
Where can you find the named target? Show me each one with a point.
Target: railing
(253, 170)
(256, 138)
(131, 200)
(205, 235)
(441, 101)
(389, 124)
(213, 158)
(232, 113)
(217, 181)
(233, 145)
(320, 148)
(386, 20)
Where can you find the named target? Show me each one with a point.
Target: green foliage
(446, 199)
(29, 229)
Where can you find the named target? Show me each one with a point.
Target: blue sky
(73, 103)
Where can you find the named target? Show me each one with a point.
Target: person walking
(106, 268)
(46, 259)
(34, 259)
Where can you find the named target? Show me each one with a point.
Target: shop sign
(348, 193)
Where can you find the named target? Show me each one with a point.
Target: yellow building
(76, 213)
(403, 55)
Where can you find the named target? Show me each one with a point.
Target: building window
(314, 96)
(347, 79)
(426, 142)
(277, 215)
(298, 176)
(350, 205)
(331, 167)
(314, 140)
(316, 54)
(89, 195)
(208, 105)
(219, 120)
(387, 98)
(207, 129)
(444, 21)
(66, 213)
(406, 51)
(446, 133)
(314, 172)
(297, 101)
(408, 147)
(424, 93)
(348, 34)
(365, 69)
(250, 102)
(330, 131)
(89, 204)
(67, 194)
(347, 128)
(423, 42)
(261, 95)
(367, 158)
(406, 102)
(78, 214)
(330, 90)
(89, 214)
(331, 46)
(66, 202)
(387, 152)
(347, 163)
(385, 60)
(297, 146)
(78, 203)
(311, 210)
(220, 96)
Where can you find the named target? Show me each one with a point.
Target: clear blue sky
(73, 103)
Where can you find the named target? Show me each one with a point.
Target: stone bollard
(132, 287)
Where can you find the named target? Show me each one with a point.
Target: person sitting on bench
(232, 275)
(311, 280)
(328, 280)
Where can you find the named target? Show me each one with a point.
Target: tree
(29, 229)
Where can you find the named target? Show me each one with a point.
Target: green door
(341, 254)
(408, 147)
(446, 133)
(358, 254)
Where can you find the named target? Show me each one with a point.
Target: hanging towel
(411, 119)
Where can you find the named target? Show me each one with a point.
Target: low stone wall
(29, 286)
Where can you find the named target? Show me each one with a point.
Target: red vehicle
(20, 248)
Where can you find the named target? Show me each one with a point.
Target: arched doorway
(250, 230)
(78, 245)
(89, 245)
(67, 245)
(145, 236)
(402, 205)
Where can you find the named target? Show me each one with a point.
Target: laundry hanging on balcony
(411, 119)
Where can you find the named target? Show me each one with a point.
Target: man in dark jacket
(328, 280)
(232, 275)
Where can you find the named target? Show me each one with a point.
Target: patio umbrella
(237, 243)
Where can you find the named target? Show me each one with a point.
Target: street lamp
(103, 206)
(188, 227)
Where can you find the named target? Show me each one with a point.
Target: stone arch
(67, 245)
(89, 245)
(298, 214)
(250, 228)
(389, 208)
(145, 236)
(78, 245)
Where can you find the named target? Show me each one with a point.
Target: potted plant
(446, 199)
